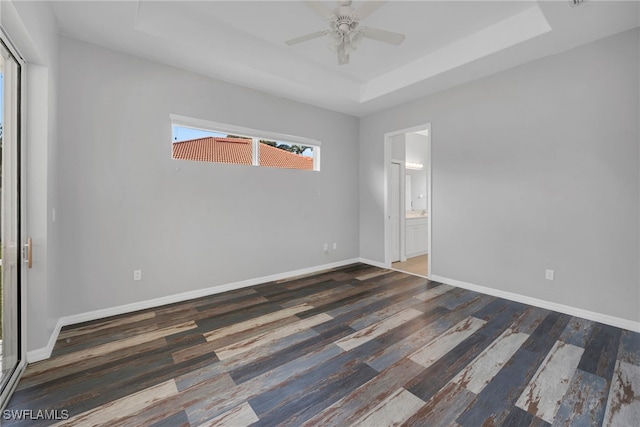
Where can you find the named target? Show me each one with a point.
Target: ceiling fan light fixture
(343, 57)
(355, 38)
(335, 37)
(346, 33)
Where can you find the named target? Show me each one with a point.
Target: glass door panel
(10, 338)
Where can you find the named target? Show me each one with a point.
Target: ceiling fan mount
(346, 33)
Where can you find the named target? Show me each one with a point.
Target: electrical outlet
(335, 246)
(326, 248)
(549, 274)
(137, 274)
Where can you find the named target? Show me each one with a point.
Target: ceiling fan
(346, 33)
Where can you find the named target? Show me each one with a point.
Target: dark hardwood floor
(352, 346)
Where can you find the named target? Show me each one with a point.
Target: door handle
(27, 253)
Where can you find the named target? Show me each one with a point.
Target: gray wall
(124, 204)
(536, 167)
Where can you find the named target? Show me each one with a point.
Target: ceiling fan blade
(367, 8)
(383, 35)
(320, 8)
(307, 37)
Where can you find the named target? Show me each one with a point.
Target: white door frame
(387, 222)
(401, 202)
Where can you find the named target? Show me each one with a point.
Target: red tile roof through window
(237, 151)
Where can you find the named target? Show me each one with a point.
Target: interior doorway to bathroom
(408, 201)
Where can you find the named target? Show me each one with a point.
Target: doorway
(12, 360)
(408, 154)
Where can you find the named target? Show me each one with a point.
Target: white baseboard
(566, 309)
(45, 352)
(373, 263)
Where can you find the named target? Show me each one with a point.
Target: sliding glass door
(11, 353)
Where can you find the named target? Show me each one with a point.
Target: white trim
(561, 308)
(429, 166)
(373, 263)
(316, 158)
(403, 217)
(255, 151)
(45, 352)
(208, 125)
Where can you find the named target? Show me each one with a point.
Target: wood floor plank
(437, 348)
(239, 314)
(365, 398)
(123, 407)
(217, 308)
(239, 416)
(427, 384)
(112, 334)
(483, 368)
(373, 274)
(302, 399)
(582, 405)
(198, 406)
(348, 346)
(377, 297)
(463, 299)
(94, 391)
(380, 315)
(629, 350)
(530, 320)
(543, 395)
(392, 353)
(111, 347)
(177, 419)
(244, 346)
(33, 383)
(577, 332)
(599, 357)
(323, 295)
(623, 405)
(295, 351)
(518, 417)
(443, 408)
(255, 322)
(115, 323)
(394, 410)
(157, 414)
(434, 292)
(224, 298)
(377, 329)
(494, 403)
(270, 381)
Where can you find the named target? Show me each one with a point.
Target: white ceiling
(447, 42)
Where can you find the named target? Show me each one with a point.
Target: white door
(394, 210)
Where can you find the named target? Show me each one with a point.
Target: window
(204, 141)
